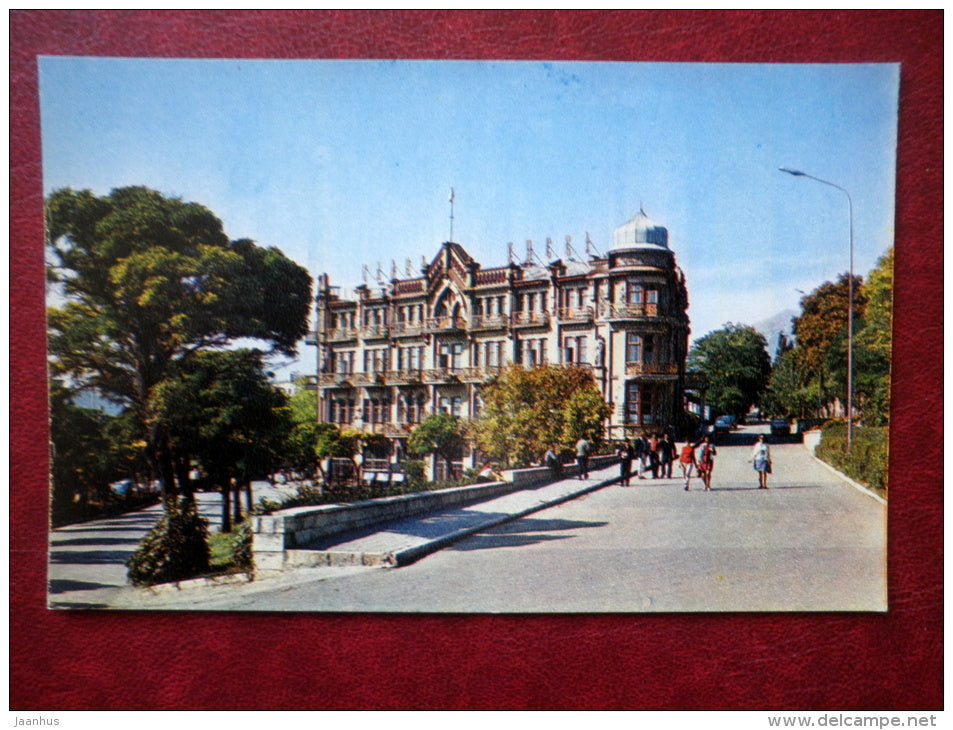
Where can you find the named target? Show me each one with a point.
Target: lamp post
(850, 301)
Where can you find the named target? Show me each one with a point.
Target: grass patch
(867, 461)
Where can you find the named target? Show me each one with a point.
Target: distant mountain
(773, 326)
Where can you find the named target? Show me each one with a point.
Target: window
(452, 405)
(633, 347)
(632, 403)
(575, 350)
(449, 355)
(634, 293)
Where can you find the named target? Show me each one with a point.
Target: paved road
(810, 543)
(88, 561)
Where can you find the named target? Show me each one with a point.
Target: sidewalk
(404, 541)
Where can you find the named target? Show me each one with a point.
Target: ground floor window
(645, 404)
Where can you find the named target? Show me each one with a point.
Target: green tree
(874, 344)
(83, 465)
(149, 282)
(736, 363)
(221, 411)
(441, 434)
(527, 411)
(302, 442)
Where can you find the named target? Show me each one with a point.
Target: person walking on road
(626, 454)
(705, 459)
(688, 464)
(761, 459)
(666, 451)
(582, 457)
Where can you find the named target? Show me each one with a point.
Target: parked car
(780, 427)
(122, 487)
(723, 424)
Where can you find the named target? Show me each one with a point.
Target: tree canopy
(528, 411)
(736, 363)
(440, 434)
(149, 282)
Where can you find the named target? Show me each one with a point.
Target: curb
(401, 558)
(856, 485)
(183, 585)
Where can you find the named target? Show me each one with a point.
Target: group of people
(653, 454)
(656, 455)
(693, 458)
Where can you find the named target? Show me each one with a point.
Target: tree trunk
(185, 483)
(226, 506)
(237, 502)
(249, 497)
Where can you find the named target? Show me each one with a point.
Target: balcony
(407, 329)
(446, 324)
(575, 314)
(343, 380)
(410, 376)
(614, 312)
(375, 332)
(342, 334)
(530, 319)
(648, 368)
(489, 322)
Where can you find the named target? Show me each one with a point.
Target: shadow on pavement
(90, 557)
(97, 541)
(65, 586)
(516, 534)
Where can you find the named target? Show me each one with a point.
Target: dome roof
(640, 231)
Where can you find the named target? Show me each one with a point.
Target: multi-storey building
(415, 346)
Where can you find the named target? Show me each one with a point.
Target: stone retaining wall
(296, 527)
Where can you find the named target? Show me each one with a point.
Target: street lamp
(850, 302)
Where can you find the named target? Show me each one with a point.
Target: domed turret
(640, 231)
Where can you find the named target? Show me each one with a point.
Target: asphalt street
(812, 542)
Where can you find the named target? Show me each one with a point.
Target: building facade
(411, 347)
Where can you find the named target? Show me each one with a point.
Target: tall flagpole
(452, 196)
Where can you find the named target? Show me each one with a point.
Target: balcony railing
(575, 314)
(489, 321)
(627, 311)
(374, 331)
(445, 324)
(406, 329)
(341, 334)
(651, 368)
(530, 319)
(404, 377)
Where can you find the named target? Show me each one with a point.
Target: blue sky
(342, 164)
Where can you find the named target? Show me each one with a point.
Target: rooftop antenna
(365, 274)
(550, 254)
(393, 270)
(570, 251)
(409, 269)
(509, 253)
(591, 249)
(452, 198)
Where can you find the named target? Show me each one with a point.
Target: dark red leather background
(109, 661)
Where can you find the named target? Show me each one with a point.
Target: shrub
(867, 462)
(415, 470)
(175, 549)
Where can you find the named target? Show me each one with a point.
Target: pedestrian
(688, 464)
(653, 455)
(761, 459)
(705, 460)
(582, 457)
(641, 449)
(551, 460)
(626, 454)
(666, 456)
